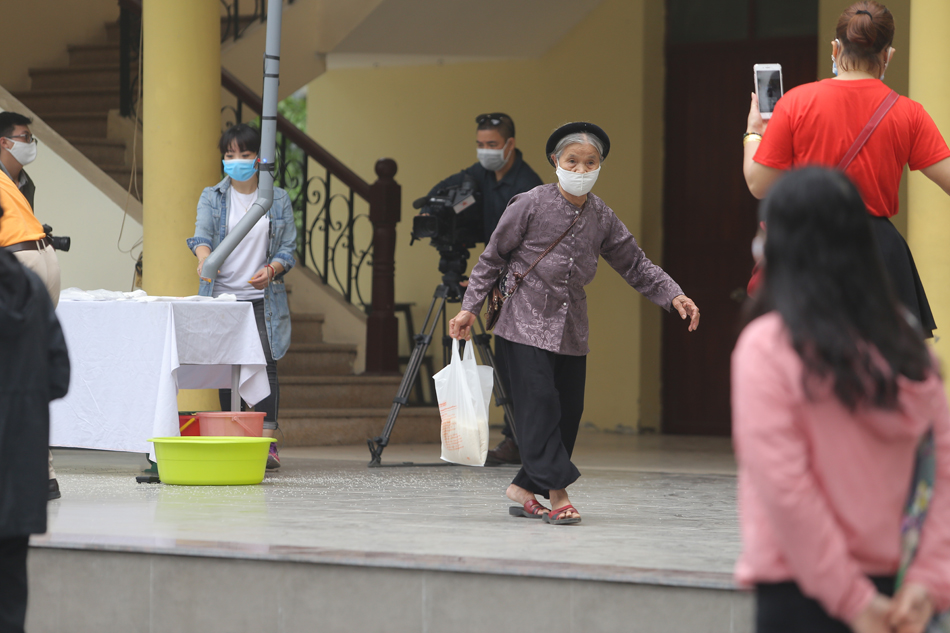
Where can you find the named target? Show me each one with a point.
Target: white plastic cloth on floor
(129, 358)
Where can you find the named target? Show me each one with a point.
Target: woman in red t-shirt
(817, 123)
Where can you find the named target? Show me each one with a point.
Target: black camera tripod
(449, 291)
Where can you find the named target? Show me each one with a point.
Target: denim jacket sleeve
(204, 224)
(285, 231)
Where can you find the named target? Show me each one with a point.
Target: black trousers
(502, 368)
(13, 583)
(270, 404)
(548, 395)
(782, 608)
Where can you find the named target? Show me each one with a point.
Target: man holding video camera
(21, 233)
(501, 174)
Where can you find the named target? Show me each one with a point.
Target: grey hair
(579, 137)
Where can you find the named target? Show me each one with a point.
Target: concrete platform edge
(390, 560)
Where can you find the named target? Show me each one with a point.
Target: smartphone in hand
(768, 87)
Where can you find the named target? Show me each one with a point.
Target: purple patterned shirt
(549, 309)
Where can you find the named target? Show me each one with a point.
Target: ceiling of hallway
(446, 30)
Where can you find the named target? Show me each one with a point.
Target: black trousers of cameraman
(502, 368)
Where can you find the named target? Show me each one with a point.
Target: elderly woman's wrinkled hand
(756, 123)
(461, 326)
(687, 309)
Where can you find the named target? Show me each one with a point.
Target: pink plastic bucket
(232, 423)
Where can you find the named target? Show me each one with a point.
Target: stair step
(101, 151)
(112, 28)
(318, 359)
(306, 328)
(338, 392)
(244, 22)
(112, 32)
(79, 100)
(82, 124)
(122, 175)
(332, 427)
(91, 76)
(93, 54)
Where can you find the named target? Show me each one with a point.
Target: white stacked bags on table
(464, 391)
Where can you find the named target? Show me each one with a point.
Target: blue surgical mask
(240, 169)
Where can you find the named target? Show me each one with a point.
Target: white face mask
(577, 184)
(24, 153)
(492, 159)
(758, 248)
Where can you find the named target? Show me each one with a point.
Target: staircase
(75, 100)
(323, 403)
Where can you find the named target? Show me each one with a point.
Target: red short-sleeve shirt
(816, 124)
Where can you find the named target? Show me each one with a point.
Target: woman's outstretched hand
(911, 609)
(461, 326)
(756, 123)
(686, 308)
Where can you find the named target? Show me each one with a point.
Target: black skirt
(783, 608)
(899, 264)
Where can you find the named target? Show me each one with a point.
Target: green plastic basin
(211, 460)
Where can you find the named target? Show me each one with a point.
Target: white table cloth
(128, 360)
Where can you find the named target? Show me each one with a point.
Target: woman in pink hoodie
(832, 390)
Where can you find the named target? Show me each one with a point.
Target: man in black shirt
(501, 174)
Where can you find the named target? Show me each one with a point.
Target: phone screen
(769, 89)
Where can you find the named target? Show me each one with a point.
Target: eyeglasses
(26, 136)
(496, 118)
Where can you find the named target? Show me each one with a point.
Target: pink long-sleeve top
(822, 489)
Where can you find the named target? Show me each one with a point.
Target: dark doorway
(709, 216)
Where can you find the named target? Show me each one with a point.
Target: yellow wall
(929, 219)
(424, 118)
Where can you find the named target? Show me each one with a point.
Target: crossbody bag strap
(550, 248)
(865, 134)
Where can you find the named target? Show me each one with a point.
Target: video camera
(59, 243)
(451, 216)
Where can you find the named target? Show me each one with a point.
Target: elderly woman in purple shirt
(543, 324)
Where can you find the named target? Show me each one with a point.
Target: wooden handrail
(309, 146)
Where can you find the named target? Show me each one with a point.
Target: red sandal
(556, 513)
(530, 510)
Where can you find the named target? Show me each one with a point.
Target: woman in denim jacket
(255, 270)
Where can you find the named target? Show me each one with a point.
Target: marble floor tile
(650, 502)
